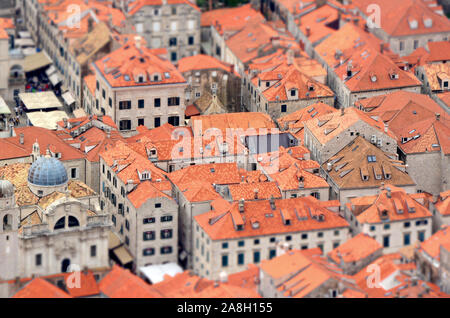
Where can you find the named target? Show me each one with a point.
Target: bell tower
(9, 225)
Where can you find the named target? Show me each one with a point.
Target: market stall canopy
(24, 42)
(55, 79)
(4, 109)
(123, 255)
(50, 70)
(156, 273)
(40, 100)
(68, 98)
(36, 61)
(24, 34)
(47, 120)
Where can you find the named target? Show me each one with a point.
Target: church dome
(6, 189)
(47, 171)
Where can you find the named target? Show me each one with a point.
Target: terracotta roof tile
(40, 288)
(355, 249)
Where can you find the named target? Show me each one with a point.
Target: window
(335, 244)
(173, 56)
(256, 242)
(272, 253)
(272, 240)
(407, 224)
(110, 102)
(288, 238)
(240, 259)
(173, 101)
(293, 92)
(336, 233)
(421, 236)
(157, 122)
(103, 93)
(140, 103)
(173, 42)
(386, 241)
(241, 243)
(174, 10)
(125, 104)
(166, 234)
(148, 251)
(93, 250)
(149, 220)
(141, 122)
(166, 250)
(256, 257)
(416, 44)
(73, 173)
(149, 236)
(166, 218)
(98, 85)
(157, 102)
(320, 246)
(174, 120)
(304, 236)
(283, 108)
(320, 234)
(386, 226)
(125, 124)
(38, 259)
(406, 239)
(402, 45)
(372, 228)
(224, 260)
(191, 40)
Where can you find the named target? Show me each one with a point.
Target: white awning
(40, 100)
(50, 70)
(24, 34)
(54, 79)
(24, 42)
(4, 109)
(155, 273)
(47, 120)
(68, 98)
(36, 61)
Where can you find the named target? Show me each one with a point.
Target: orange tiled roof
(40, 288)
(435, 74)
(257, 38)
(398, 17)
(304, 271)
(350, 168)
(247, 191)
(261, 219)
(202, 62)
(400, 206)
(234, 121)
(89, 80)
(315, 24)
(228, 19)
(129, 64)
(127, 163)
(121, 283)
(355, 249)
(432, 245)
(136, 5)
(443, 203)
(144, 191)
(328, 126)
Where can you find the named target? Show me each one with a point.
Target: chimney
(241, 205)
(137, 40)
(65, 122)
(381, 48)
(438, 116)
(256, 194)
(290, 57)
(21, 137)
(388, 193)
(223, 276)
(308, 31)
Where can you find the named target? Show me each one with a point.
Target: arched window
(73, 222)
(7, 222)
(60, 224)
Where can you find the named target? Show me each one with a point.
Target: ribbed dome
(47, 171)
(6, 189)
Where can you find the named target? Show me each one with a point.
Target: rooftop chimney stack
(256, 194)
(137, 40)
(438, 116)
(388, 194)
(21, 136)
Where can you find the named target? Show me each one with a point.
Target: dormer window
(428, 22)
(293, 92)
(155, 77)
(141, 79)
(393, 75)
(310, 87)
(413, 24)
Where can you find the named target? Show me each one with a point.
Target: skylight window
(371, 159)
(412, 131)
(126, 77)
